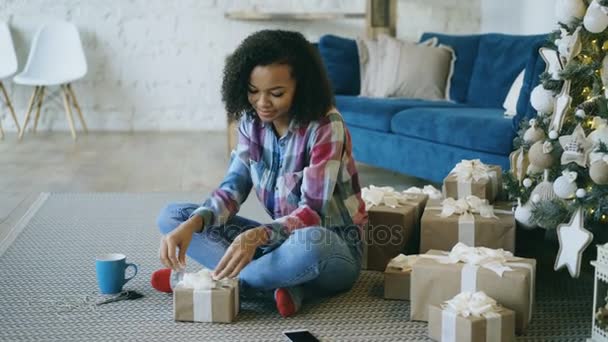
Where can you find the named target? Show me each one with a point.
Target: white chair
(8, 66)
(56, 58)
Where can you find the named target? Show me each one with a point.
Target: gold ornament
(605, 46)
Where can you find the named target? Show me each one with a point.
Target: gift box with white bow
(471, 317)
(438, 276)
(199, 298)
(393, 217)
(470, 220)
(397, 277)
(472, 177)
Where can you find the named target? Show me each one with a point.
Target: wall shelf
(285, 16)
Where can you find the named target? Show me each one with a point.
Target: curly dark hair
(313, 95)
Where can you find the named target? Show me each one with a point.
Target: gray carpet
(47, 282)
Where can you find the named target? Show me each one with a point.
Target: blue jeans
(311, 262)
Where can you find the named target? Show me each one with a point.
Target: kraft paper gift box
(472, 177)
(489, 324)
(390, 226)
(206, 300)
(397, 277)
(445, 224)
(438, 276)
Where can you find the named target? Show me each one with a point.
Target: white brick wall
(156, 64)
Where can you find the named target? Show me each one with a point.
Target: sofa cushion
(465, 48)
(479, 129)
(376, 113)
(341, 61)
(500, 59)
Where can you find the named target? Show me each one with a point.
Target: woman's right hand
(179, 238)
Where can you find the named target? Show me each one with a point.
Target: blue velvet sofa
(427, 138)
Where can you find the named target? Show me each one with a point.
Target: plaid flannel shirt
(305, 178)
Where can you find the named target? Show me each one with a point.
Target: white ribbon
(471, 304)
(495, 260)
(468, 205)
(403, 262)
(471, 170)
(202, 283)
(429, 190)
(386, 195)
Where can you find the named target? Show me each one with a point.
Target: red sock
(285, 303)
(161, 280)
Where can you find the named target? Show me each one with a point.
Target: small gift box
(393, 217)
(472, 177)
(397, 277)
(471, 317)
(438, 276)
(199, 298)
(471, 221)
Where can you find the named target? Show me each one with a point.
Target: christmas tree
(559, 165)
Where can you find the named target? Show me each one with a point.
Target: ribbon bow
(403, 262)
(494, 260)
(467, 206)
(471, 303)
(471, 170)
(201, 280)
(384, 195)
(429, 190)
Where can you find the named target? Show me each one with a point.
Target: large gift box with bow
(438, 276)
(397, 277)
(471, 317)
(199, 298)
(472, 177)
(393, 217)
(471, 221)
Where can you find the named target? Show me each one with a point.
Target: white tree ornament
(573, 239)
(569, 45)
(553, 64)
(596, 19)
(575, 147)
(562, 103)
(566, 11)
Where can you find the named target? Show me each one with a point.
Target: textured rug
(47, 285)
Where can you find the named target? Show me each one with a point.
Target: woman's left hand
(240, 253)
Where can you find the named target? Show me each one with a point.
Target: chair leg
(40, 99)
(68, 111)
(7, 100)
(77, 106)
(28, 111)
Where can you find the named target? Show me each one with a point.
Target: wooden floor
(122, 162)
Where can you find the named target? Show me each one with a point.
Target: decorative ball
(566, 11)
(538, 157)
(595, 21)
(527, 182)
(523, 216)
(534, 134)
(535, 198)
(600, 134)
(605, 46)
(564, 188)
(580, 113)
(553, 135)
(542, 99)
(598, 172)
(581, 193)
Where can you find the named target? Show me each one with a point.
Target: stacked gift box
(467, 240)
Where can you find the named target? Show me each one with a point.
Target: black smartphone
(300, 336)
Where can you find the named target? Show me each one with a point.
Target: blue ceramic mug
(111, 272)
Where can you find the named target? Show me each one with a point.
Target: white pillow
(377, 65)
(418, 71)
(510, 104)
